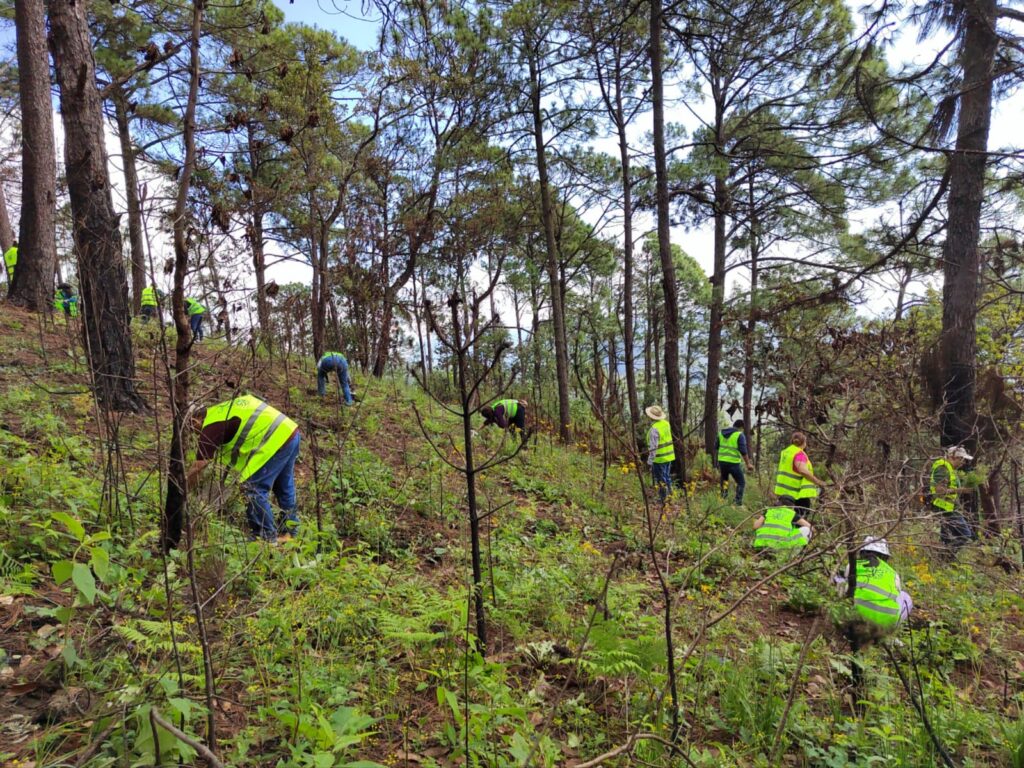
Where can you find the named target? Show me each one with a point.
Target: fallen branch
(628, 748)
(157, 719)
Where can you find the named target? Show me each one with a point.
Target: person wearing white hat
(878, 596)
(661, 451)
(945, 488)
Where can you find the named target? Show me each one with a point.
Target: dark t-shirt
(741, 445)
(214, 435)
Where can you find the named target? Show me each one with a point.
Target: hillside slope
(350, 645)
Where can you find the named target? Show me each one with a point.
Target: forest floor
(352, 645)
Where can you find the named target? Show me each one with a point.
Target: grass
(349, 646)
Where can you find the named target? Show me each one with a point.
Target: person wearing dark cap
(732, 455)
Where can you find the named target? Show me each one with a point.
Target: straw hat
(654, 412)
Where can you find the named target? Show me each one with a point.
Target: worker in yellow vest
(10, 262)
(661, 451)
(196, 313)
(261, 444)
(795, 483)
(879, 597)
(149, 302)
(509, 415)
(732, 455)
(945, 489)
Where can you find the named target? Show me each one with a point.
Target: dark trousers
(954, 531)
(519, 422)
(662, 475)
(729, 469)
(195, 322)
(802, 507)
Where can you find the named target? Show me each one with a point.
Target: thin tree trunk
(37, 240)
(548, 219)
(256, 239)
(711, 413)
(961, 267)
(104, 290)
(131, 185)
(751, 329)
(901, 297)
(668, 272)
(627, 261)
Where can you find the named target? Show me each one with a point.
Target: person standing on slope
(661, 451)
(945, 489)
(196, 313)
(732, 455)
(261, 444)
(795, 483)
(10, 262)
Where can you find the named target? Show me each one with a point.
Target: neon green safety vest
(778, 531)
(666, 448)
(511, 407)
(148, 298)
(263, 430)
(194, 307)
(72, 302)
(729, 448)
(876, 596)
(11, 259)
(946, 503)
(788, 482)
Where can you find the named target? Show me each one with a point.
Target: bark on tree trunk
(131, 184)
(104, 289)
(32, 287)
(668, 268)
(256, 240)
(961, 267)
(627, 264)
(751, 329)
(551, 261)
(711, 414)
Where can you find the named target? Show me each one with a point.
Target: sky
(346, 18)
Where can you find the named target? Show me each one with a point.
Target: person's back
(11, 261)
(732, 454)
(337, 362)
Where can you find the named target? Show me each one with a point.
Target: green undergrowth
(351, 645)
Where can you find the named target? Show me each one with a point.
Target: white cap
(872, 544)
(958, 452)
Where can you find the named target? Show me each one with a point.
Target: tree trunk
(668, 268)
(104, 290)
(131, 185)
(751, 329)
(37, 240)
(6, 233)
(627, 262)
(548, 220)
(711, 413)
(901, 297)
(256, 239)
(961, 266)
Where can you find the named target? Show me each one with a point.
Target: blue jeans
(662, 475)
(195, 322)
(954, 531)
(731, 469)
(339, 364)
(278, 474)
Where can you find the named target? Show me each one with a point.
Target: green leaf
(70, 654)
(323, 760)
(182, 706)
(84, 580)
(61, 571)
(100, 562)
(76, 528)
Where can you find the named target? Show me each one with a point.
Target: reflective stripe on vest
(946, 503)
(778, 531)
(729, 448)
(511, 408)
(666, 449)
(788, 482)
(11, 260)
(148, 298)
(263, 431)
(876, 596)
